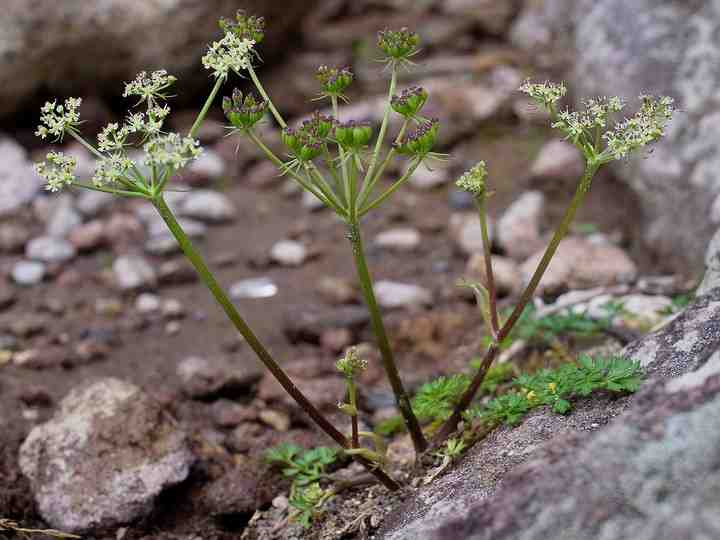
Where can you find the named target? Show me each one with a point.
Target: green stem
(392, 189)
(206, 107)
(352, 392)
(492, 292)
(122, 192)
(341, 152)
(383, 127)
(327, 190)
(401, 397)
(368, 186)
(86, 144)
(280, 165)
(451, 423)
(262, 353)
(266, 97)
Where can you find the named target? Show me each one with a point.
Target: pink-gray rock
(558, 161)
(49, 249)
(41, 42)
(579, 264)
(393, 294)
(518, 229)
(133, 272)
(506, 273)
(466, 232)
(398, 239)
(18, 181)
(208, 205)
(103, 458)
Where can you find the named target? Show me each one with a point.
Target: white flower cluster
(110, 169)
(647, 126)
(171, 151)
(56, 119)
(58, 170)
(230, 53)
(151, 87)
(473, 181)
(576, 125)
(545, 94)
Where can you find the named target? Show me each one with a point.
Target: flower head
(318, 126)
(111, 169)
(150, 88)
(420, 143)
(399, 45)
(352, 135)
(58, 170)
(56, 119)
(245, 26)
(409, 102)
(334, 81)
(545, 94)
(171, 150)
(112, 137)
(647, 126)
(244, 112)
(230, 53)
(351, 365)
(301, 145)
(473, 181)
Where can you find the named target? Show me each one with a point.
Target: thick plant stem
(401, 397)
(492, 291)
(206, 107)
(451, 423)
(262, 353)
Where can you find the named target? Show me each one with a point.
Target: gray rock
(147, 303)
(49, 249)
(90, 203)
(558, 160)
(175, 36)
(103, 458)
(518, 229)
(261, 287)
(400, 239)
(208, 205)
(711, 279)
(393, 294)
(28, 272)
(63, 217)
(288, 253)
(308, 324)
(506, 273)
(579, 264)
(208, 166)
(490, 15)
(426, 179)
(18, 181)
(466, 232)
(13, 237)
(671, 48)
(310, 201)
(643, 466)
(202, 378)
(133, 272)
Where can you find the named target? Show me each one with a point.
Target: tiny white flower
(171, 150)
(149, 88)
(473, 181)
(110, 169)
(58, 170)
(545, 94)
(56, 119)
(230, 53)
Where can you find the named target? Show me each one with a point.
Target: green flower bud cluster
(473, 181)
(352, 135)
(334, 81)
(399, 45)
(302, 146)
(409, 102)
(420, 142)
(351, 365)
(245, 26)
(244, 112)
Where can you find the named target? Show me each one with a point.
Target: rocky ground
(97, 305)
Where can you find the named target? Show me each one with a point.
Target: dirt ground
(61, 312)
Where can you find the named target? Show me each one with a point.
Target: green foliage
(435, 399)
(679, 303)
(557, 387)
(550, 327)
(305, 468)
(495, 376)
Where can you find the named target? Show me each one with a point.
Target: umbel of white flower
(230, 53)
(163, 153)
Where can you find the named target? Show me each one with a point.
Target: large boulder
(638, 467)
(667, 47)
(79, 48)
(103, 458)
